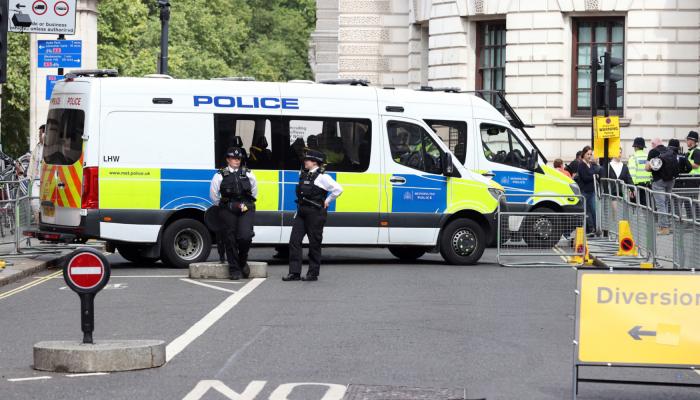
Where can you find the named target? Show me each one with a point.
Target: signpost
(86, 273)
(639, 318)
(60, 53)
(50, 83)
(607, 136)
(46, 16)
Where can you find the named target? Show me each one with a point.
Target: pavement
(369, 323)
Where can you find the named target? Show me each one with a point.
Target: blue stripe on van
(187, 174)
(516, 183)
(426, 193)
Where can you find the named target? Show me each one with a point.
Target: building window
(606, 34)
(491, 59)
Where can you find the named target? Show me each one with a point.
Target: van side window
(412, 146)
(502, 146)
(453, 134)
(254, 133)
(64, 136)
(347, 143)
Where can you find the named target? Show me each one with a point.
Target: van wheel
(185, 241)
(133, 253)
(541, 231)
(407, 253)
(462, 242)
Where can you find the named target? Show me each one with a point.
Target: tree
(14, 117)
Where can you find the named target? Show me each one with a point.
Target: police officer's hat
(693, 136)
(235, 152)
(315, 155)
(639, 143)
(674, 143)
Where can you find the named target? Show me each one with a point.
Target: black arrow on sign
(637, 331)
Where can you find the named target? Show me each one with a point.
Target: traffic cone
(626, 245)
(2, 264)
(581, 249)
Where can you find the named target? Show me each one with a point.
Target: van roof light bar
(440, 89)
(235, 78)
(97, 73)
(351, 82)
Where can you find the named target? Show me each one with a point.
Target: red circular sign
(86, 270)
(39, 7)
(61, 8)
(607, 120)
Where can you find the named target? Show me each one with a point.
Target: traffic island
(217, 270)
(101, 356)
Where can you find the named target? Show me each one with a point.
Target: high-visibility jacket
(694, 171)
(636, 165)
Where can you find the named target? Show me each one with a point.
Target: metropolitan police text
(608, 295)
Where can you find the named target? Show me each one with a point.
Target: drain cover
(374, 392)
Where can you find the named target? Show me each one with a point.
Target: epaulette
(224, 172)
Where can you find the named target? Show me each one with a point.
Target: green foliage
(14, 117)
(266, 39)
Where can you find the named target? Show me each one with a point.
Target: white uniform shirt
(35, 162)
(214, 194)
(327, 183)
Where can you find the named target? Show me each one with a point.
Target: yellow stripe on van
(268, 190)
(130, 188)
(388, 194)
(361, 192)
(465, 194)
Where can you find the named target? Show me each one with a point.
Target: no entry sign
(86, 271)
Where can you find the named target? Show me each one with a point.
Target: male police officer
(313, 199)
(636, 165)
(234, 189)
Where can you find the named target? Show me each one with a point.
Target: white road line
(33, 378)
(208, 286)
(87, 374)
(184, 340)
(226, 282)
(134, 276)
(697, 371)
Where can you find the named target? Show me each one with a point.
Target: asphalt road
(498, 333)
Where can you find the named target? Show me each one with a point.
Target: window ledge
(583, 121)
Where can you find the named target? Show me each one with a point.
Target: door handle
(61, 185)
(488, 174)
(398, 180)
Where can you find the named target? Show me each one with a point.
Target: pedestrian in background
(616, 170)
(637, 169)
(559, 166)
(34, 174)
(573, 166)
(663, 165)
(587, 171)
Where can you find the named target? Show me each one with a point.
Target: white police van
(129, 160)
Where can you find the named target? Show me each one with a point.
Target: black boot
(291, 277)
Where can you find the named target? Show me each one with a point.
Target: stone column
(85, 30)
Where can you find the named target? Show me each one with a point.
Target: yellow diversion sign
(638, 318)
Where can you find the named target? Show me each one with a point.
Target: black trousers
(238, 236)
(309, 221)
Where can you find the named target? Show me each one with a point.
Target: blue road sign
(50, 83)
(60, 53)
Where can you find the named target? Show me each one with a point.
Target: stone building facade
(537, 51)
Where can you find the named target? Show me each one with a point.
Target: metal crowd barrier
(540, 238)
(647, 211)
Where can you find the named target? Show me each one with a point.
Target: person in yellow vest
(636, 165)
(693, 157)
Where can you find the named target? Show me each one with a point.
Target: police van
(130, 160)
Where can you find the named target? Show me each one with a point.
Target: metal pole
(164, 28)
(594, 85)
(61, 37)
(87, 316)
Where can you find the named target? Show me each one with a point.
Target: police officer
(636, 165)
(315, 192)
(234, 189)
(693, 157)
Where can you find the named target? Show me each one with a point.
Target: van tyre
(133, 253)
(540, 231)
(407, 253)
(462, 242)
(185, 241)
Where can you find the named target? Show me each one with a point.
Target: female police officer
(234, 189)
(313, 199)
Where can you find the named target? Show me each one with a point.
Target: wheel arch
(476, 216)
(193, 213)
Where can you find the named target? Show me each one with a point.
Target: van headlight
(496, 193)
(575, 189)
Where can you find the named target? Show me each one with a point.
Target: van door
(62, 171)
(505, 156)
(415, 189)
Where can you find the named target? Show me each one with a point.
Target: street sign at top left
(47, 16)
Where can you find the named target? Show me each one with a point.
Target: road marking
(33, 378)
(209, 286)
(184, 340)
(87, 374)
(226, 282)
(30, 285)
(561, 252)
(135, 276)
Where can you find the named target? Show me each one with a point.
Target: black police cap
(693, 135)
(315, 155)
(639, 142)
(235, 152)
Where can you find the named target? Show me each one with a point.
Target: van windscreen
(63, 144)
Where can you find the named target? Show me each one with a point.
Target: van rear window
(63, 144)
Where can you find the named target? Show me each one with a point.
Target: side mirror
(533, 162)
(448, 168)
